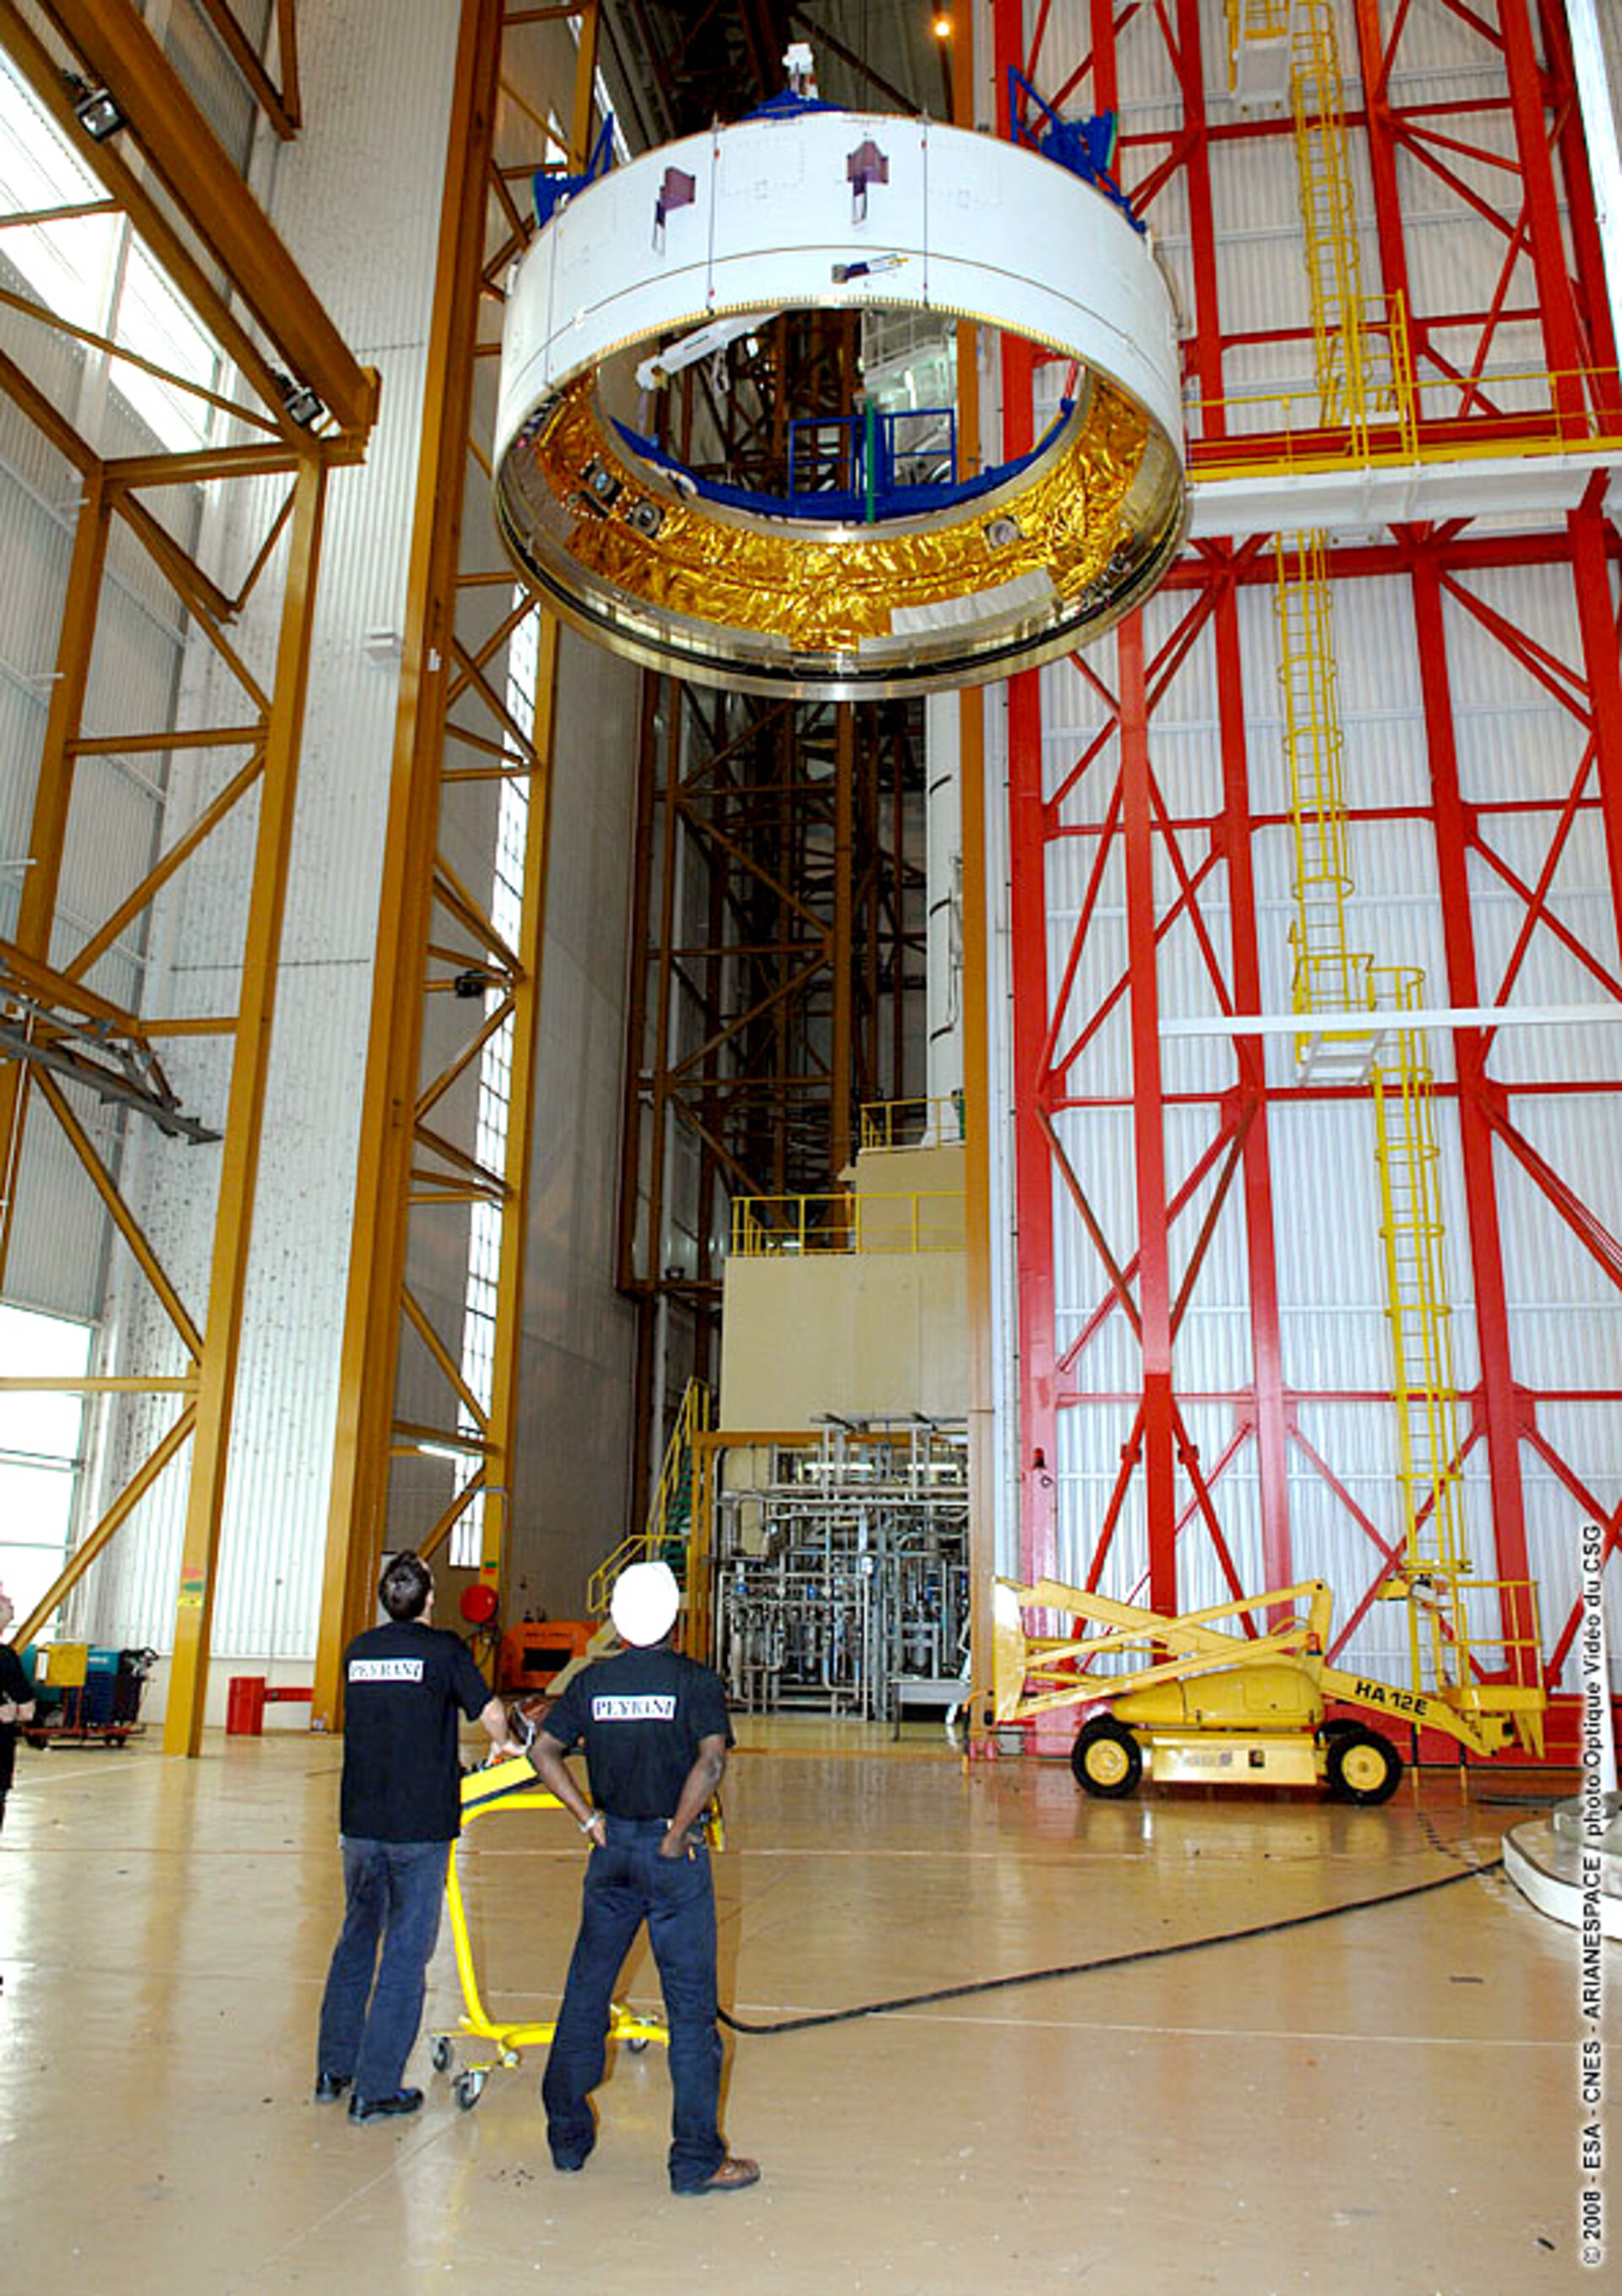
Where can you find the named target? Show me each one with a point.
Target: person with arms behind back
(656, 1734)
(400, 1810)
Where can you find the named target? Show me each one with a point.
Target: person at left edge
(16, 1702)
(400, 1810)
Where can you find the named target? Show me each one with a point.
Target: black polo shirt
(15, 1686)
(640, 1717)
(403, 1686)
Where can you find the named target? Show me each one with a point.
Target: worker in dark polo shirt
(655, 1731)
(400, 1810)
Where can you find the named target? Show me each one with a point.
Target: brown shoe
(731, 2177)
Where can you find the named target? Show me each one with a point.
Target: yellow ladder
(1328, 975)
(1414, 1241)
(1365, 376)
(1359, 342)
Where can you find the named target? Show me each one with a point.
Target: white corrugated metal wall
(1514, 740)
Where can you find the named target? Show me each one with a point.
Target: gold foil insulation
(822, 590)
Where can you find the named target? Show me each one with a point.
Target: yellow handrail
(931, 1122)
(1228, 436)
(863, 1220)
(665, 1535)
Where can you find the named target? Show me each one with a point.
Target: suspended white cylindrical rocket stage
(889, 591)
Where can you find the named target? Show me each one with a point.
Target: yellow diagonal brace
(123, 1219)
(128, 1499)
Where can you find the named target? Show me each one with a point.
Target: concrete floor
(1386, 2100)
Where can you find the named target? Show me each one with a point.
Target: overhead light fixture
(302, 404)
(942, 26)
(96, 110)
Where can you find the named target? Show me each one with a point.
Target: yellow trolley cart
(509, 1785)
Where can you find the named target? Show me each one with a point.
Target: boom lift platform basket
(1198, 1705)
(504, 1787)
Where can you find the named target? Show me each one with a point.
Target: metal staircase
(667, 1535)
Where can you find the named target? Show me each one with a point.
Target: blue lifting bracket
(1086, 147)
(551, 190)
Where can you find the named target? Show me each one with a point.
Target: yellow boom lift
(1210, 1707)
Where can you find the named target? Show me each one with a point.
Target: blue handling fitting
(551, 191)
(1086, 147)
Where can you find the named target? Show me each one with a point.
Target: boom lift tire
(1107, 1759)
(1363, 1765)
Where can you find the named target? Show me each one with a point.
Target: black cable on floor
(1109, 1960)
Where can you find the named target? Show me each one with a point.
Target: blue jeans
(627, 1883)
(394, 1890)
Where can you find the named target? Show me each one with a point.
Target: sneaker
(331, 2086)
(731, 2177)
(381, 2108)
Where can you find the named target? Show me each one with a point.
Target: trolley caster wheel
(440, 2055)
(467, 2089)
(637, 2043)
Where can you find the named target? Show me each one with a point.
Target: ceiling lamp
(850, 583)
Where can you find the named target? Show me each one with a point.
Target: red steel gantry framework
(1522, 139)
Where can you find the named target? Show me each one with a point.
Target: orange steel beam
(377, 1265)
(186, 844)
(89, 1547)
(128, 1227)
(167, 246)
(122, 56)
(416, 876)
(244, 1124)
(270, 100)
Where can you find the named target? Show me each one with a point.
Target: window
(40, 1436)
(91, 270)
(495, 1081)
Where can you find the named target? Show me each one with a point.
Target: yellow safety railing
(866, 1221)
(928, 1123)
(1256, 19)
(666, 1535)
(1436, 419)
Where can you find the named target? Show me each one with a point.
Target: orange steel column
(357, 1520)
(244, 1123)
(376, 1261)
(508, 1340)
